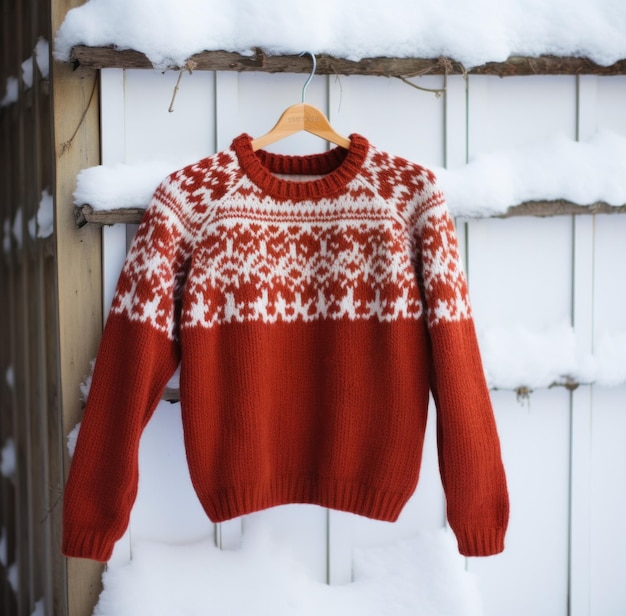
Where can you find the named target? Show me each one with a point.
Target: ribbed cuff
(87, 544)
(480, 542)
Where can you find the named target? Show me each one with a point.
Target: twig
(67, 144)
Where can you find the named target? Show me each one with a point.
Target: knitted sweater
(311, 315)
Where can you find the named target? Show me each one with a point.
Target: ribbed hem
(480, 542)
(88, 544)
(337, 166)
(227, 503)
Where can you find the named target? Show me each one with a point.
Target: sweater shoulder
(183, 199)
(412, 187)
(206, 180)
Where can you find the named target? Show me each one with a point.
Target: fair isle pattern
(280, 271)
(214, 242)
(154, 273)
(443, 277)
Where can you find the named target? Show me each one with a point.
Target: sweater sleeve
(469, 453)
(137, 355)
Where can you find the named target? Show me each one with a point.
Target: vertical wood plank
(587, 106)
(455, 122)
(581, 422)
(27, 533)
(113, 151)
(229, 534)
(8, 206)
(582, 398)
(76, 141)
(608, 502)
(580, 502)
(226, 102)
(535, 448)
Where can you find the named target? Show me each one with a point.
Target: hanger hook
(308, 81)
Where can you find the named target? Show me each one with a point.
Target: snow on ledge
(517, 357)
(472, 32)
(560, 168)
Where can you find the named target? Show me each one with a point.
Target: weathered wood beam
(559, 207)
(85, 214)
(109, 57)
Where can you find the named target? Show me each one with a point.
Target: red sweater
(311, 316)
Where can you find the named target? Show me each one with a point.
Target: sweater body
(313, 303)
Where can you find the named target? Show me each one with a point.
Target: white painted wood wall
(565, 452)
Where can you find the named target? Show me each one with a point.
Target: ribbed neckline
(337, 166)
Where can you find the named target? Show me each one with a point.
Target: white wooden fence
(563, 450)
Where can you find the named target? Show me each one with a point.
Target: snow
(45, 215)
(13, 577)
(32, 226)
(41, 56)
(39, 609)
(517, 356)
(609, 361)
(41, 225)
(264, 577)
(71, 439)
(27, 72)
(18, 232)
(559, 168)
(9, 376)
(6, 236)
(11, 92)
(470, 32)
(108, 187)
(3, 547)
(7, 458)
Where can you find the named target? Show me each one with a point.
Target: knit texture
(313, 303)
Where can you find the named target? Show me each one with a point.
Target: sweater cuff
(87, 544)
(486, 542)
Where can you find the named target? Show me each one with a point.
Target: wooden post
(8, 599)
(76, 143)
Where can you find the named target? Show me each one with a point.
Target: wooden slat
(76, 144)
(85, 214)
(8, 603)
(26, 540)
(109, 57)
(45, 321)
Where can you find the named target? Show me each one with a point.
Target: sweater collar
(337, 168)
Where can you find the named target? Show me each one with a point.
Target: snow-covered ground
(422, 575)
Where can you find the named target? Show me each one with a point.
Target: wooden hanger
(302, 116)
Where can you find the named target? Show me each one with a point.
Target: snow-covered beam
(109, 57)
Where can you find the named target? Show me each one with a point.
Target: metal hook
(308, 81)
